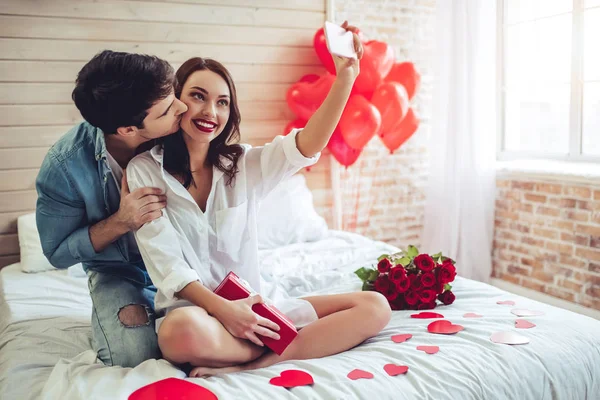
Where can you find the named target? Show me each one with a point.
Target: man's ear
(127, 131)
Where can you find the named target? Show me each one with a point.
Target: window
(549, 53)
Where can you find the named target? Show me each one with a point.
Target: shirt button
(105, 178)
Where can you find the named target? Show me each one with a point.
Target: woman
(208, 228)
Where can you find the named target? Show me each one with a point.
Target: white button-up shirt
(186, 244)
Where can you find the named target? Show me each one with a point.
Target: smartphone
(339, 41)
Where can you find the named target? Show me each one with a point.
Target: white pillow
(287, 216)
(32, 257)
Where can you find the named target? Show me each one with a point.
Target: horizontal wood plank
(8, 260)
(150, 32)
(22, 200)
(306, 5)
(9, 244)
(60, 93)
(66, 71)
(8, 221)
(164, 12)
(20, 179)
(79, 50)
(22, 158)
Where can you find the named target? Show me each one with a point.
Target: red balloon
(309, 78)
(401, 132)
(297, 123)
(405, 74)
(360, 121)
(320, 45)
(343, 153)
(391, 100)
(376, 63)
(304, 98)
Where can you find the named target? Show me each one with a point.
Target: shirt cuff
(177, 280)
(80, 244)
(292, 153)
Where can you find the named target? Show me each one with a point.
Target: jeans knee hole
(134, 315)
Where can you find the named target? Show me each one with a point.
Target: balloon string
(373, 191)
(358, 192)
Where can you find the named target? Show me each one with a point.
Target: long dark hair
(176, 155)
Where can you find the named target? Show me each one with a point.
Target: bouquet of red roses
(410, 280)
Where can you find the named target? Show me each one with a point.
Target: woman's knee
(377, 309)
(185, 335)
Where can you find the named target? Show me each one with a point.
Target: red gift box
(232, 288)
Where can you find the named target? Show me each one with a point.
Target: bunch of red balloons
(379, 103)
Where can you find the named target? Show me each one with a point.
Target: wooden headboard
(43, 44)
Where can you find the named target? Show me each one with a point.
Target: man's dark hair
(116, 89)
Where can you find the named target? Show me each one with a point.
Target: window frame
(575, 153)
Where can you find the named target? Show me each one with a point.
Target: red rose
(424, 262)
(427, 295)
(428, 279)
(447, 273)
(397, 273)
(391, 294)
(411, 297)
(415, 282)
(382, 284)
(403, 285)
(398, 303)
(447, 297)
(384, 265)
(427, 306)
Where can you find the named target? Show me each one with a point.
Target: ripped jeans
(123, 320)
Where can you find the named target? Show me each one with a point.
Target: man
(85, 212)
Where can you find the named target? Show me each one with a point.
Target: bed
(45, 348)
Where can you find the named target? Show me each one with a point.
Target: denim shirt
(75, 191)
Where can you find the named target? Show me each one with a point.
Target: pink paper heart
(359, 374)
(403, 337)
(429, 349)
(444, 327)
(506, 302)
(291, 378)
(521, 312)
(523, 324)
(508, 337)
(472, 315)
(393, 369)
(426, 314)
(172, 389)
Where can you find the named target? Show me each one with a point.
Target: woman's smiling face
(207, 97)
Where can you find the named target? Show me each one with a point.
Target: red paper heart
(393, 369)
(403, 337)
(396, 136)
(444, 327)
(472, 315)
(506, 302)
(427, 314)
(429, 349)
(291, 378)
(524, 324)
(359, 374)
(172, 389)
(304, 98)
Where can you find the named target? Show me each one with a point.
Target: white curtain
(459, 210)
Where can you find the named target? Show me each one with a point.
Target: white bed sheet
(561, 362)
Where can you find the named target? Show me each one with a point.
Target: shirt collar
(100, 143)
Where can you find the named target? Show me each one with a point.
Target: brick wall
(547, 237)
(383, 194)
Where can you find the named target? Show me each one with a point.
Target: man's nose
(181, 107)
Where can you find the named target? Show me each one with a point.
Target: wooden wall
(266, 44)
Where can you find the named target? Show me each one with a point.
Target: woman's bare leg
(190, 335)
(345, 320)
